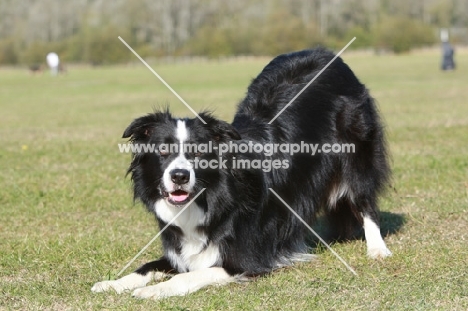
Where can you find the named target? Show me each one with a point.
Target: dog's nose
(180, 176)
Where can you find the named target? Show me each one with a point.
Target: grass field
(67, 219)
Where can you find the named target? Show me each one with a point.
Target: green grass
(68, 221)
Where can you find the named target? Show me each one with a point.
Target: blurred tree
(101, 46)
(35, 53)
(84, 29)
(8, 53)
(400, 34)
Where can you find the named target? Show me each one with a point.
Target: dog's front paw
(129, 282)
(161, 290)
(105, 286)
(378, 252)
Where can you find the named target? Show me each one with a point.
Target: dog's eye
(164, 152)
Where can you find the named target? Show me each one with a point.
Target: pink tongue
(179, 196)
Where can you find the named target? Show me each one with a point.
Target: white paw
(105, 286)
(127, 283)
(378, 252)
(159, 291)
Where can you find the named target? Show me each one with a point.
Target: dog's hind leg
(347, 215)
(376, 247)
(344, 220)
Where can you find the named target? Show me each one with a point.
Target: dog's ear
(220, 130)
(140, 128)
(224, 130)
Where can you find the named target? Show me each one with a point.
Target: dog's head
(166, 151)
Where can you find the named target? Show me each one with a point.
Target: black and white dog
(237, 227)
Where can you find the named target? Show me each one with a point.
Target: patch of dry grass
(67, 217)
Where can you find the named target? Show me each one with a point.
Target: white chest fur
(195, 252)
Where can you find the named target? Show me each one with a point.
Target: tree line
(87, 30)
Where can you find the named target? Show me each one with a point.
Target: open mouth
(178, 197)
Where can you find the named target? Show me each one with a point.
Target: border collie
(237, 228)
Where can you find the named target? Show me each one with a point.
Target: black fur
(254, 231)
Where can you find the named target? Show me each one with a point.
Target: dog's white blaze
(186, 283)
(180, 162)
(376, 247)
(195, 251)
(181, 131)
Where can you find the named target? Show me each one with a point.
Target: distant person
(447, 56)
(53, 62)
(447, 51)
